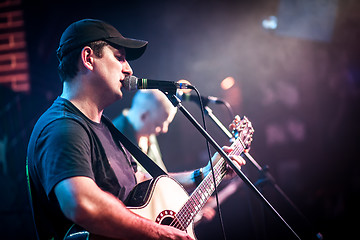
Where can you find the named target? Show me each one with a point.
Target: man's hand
(174, 234)
(237, 160)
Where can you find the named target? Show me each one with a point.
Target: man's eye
(120, 58)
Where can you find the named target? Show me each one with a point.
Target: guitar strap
(141, 157)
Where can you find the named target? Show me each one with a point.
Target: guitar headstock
(242, 129)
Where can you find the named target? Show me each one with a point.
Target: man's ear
(87, 59)
(144, 115)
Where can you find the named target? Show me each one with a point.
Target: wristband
(198, 176)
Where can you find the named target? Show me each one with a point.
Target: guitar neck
(205, 189)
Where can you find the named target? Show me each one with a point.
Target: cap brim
(134, 48)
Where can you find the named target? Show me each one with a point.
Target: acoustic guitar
(164, 201)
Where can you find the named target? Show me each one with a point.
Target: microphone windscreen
(130, 83)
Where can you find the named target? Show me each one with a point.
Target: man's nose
(127, 68)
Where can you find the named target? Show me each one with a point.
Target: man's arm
(101, 213)
(187, 179)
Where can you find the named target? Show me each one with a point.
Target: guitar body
(164, 198)
(157, 199)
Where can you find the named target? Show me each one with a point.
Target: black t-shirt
(64, 144)
(116, 159)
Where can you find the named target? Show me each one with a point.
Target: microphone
(194, 98)
(134, 83)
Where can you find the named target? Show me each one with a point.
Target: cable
(211, 164)
(229, 108)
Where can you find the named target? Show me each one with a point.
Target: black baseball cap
(88, 30)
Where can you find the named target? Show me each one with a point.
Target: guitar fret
(205, 189)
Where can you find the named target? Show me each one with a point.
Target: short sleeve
(64, 151)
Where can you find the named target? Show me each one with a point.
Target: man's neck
(83, 102)
(87, 107)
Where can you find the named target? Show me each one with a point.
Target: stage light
(270, 23)
(227, 83)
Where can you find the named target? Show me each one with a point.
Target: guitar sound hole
(166, 217)
(167, 221)
(170, 221)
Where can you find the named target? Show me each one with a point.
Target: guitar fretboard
(205, 189)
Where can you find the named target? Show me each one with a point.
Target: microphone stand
(265, 176)
(177, 103)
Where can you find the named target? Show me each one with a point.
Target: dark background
(298, 84)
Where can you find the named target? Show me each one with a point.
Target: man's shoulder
(60, 109)
(60, 113)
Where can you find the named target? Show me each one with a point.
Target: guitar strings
(195, 197)
(185, 218)
(182, 218)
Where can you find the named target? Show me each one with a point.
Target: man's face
(110, 70)
(157, 121)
